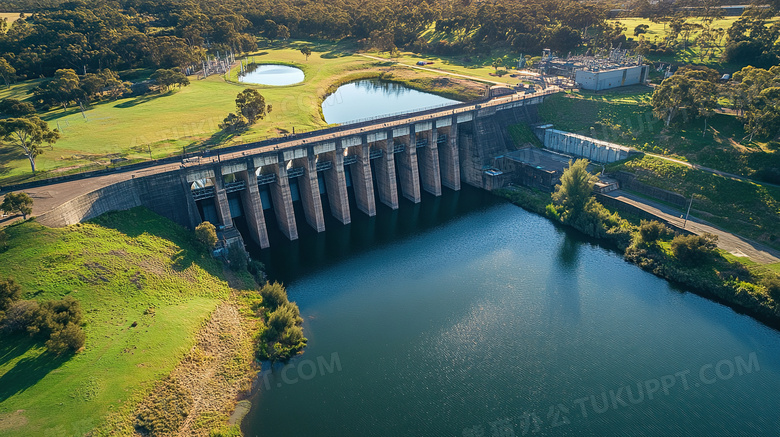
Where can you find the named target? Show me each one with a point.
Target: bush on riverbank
(283, 336)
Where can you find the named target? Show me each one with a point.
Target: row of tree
(695, 92)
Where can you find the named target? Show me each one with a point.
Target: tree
(17, 203)
(640, 29)
(60, 90)
(166, 78)
(7, 72)
(28, 133)
(670, 96)
(705, 99)
(282, 32)
(10, 292)
(574, 191)
(306, 51)
(498, 62)
(251, 105)
(15, 108)
(756, 96)
(206, 233)
(232, 123)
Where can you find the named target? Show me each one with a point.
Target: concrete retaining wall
(163, 193)
(585, 147)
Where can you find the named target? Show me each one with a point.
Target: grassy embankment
(625, 117)
(691, 54)
(160, 125)
(146, 288)
(741, 284)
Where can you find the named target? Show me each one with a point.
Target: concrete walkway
(729, 242)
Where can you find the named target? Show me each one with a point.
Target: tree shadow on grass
(8, 154)
(27, 371)
(144, 99)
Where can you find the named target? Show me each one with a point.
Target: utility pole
(689, 211)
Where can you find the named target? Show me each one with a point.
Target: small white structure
(597, 80)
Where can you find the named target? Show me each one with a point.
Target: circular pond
(271, 74)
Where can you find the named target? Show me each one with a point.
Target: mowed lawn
(125, 268)
(188, 118)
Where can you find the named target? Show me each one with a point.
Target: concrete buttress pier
(310, 194)
(336, 186)
(283, 207)
(408, 172)
(428, 158)
(362, 179)
(385, 168)
(449, 157)
(253, 208)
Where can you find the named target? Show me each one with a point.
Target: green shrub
(651, 231)
(69, 339)
(257, 270)
(693, 249)
(206, 233)
(772, 284)
(19, 316)
(292, 335)
(237, 257)
(54, 315)
(273, 295)
(10, 292)
(282, 318)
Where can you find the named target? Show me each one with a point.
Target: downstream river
(468, 316)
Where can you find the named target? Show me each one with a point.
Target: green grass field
(119, 267)
(689, 55)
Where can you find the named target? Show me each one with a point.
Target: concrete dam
(380, 162)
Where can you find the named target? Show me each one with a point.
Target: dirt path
(729, 242)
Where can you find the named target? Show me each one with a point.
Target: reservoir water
(374, 98)
(271, 74)
(468, 316)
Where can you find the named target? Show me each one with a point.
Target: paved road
(731, 243)
(50, 196)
